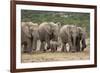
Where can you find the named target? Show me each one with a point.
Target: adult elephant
(29, 36)
(72, 35)
(81, 38)
(47, 31)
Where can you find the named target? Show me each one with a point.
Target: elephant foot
(43, 50)
(52, 50)
(72, 51)
(82, 49)
(78, 50)
(48, 48)
(34, 50)
(64, 50)
(24, 51)
(28, 50)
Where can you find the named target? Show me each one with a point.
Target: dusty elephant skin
(29, 36)
(47, 31)
(73, 36)
(26, 37)
(53, 45)
(50, 34)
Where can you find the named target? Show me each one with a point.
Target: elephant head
(77, 36)
(35, 35)
(74, 34)
(25, 28)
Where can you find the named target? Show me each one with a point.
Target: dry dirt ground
(56, 56)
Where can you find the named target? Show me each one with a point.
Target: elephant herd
(52, 36)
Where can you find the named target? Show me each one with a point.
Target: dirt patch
(56, 56)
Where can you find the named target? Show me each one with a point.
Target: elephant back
(44, 27)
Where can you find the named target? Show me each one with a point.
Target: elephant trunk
(74, 44)
(34, 45)
(83, 44)
(35, 37)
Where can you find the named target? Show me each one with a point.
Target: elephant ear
(54, 29)
(80, 32)
(82, 37)
(69, 32)
(34, 30)
(45, 28)
(25, 29)
(59, 25)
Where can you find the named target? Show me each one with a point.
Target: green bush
(70, 18)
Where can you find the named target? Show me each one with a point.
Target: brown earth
(56, 56)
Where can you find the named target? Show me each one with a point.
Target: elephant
(47, 31)
(26, 37)
(29, 36)
(73, 36)
(35, 35)
(53, 45)
(82, 37)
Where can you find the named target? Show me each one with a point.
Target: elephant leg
(42, 46)
(34, 45)
(64, 47)
(29, 46)
(78, 48)
(73, 47)
(48, 45)
(53, 48)
(24, 46)
(83, 44)
(78, 45)
(70, 46)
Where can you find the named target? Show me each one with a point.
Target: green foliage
(70, 18)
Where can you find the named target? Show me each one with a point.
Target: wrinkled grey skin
(72, 35)
(29, 36)
(26, 37)
(82, 37)
(35, 35)
(47, 31)
(53, 45)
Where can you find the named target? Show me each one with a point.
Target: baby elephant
(53, 45)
